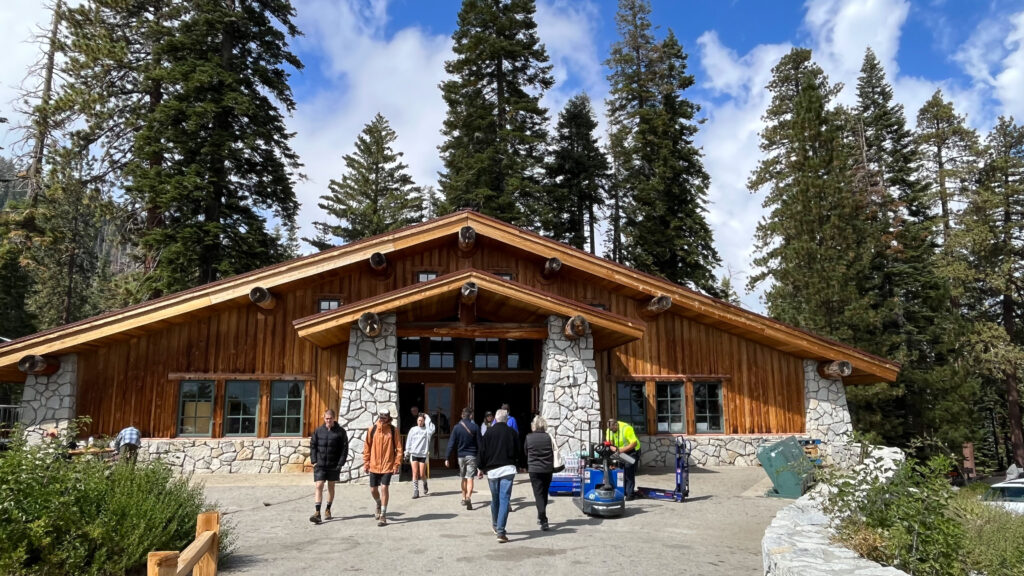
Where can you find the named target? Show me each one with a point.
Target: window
(241, 403)
(520, 354)
(325, 304)
(670, 400)
(707, 406)
(505, 275)
(286, 406)
(195, 412)
(486, 354)
(425, 275)
(633, 405)
(408, 352)
(442, 353)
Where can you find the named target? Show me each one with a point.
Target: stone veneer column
(371, 385)
(569, 398)
(50, 401)
(828, 417)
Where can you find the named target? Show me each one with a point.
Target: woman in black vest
(540, 462)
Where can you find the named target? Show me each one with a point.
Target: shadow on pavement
(401, 519)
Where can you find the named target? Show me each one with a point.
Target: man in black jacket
(500, 450)
(328, 451)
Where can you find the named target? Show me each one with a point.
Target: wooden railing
(199, 559)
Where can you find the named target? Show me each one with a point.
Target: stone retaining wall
(798, 541)
(718, 450)
(50, 401)
(227, 456)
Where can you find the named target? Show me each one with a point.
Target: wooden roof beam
(379, 263)
(467, 240)
(835, 369)
(576, 327)
(37, 365)
(467, 302)
(370, 324)
(551, 268)
(263, 298)
(657, 305)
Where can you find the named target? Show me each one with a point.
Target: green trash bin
(788, 467)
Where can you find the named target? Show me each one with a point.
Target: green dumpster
(788, 467)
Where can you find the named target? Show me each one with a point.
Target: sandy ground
(717, 531)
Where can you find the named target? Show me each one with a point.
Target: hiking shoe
(502, 538)
(327, 514)
(376, 515)
(315, 518)
(469, 504)
(382, 521)
(544, 526)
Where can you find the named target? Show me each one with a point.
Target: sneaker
(327, 514)
(382, 521)
(425, 489)
(462, 502)
(502, 538)
(315, 518)
(494, 530)
(469, 504)
(415, 495)
(544, 526)
(376, 515)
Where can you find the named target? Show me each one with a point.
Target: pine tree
(375, 195)
(226, 163)
(575, 174)
(664, 184)
(810, 242)
(991, 239)
(495, 129)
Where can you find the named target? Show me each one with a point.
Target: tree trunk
(42, 121)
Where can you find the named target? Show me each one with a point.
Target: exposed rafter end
(551, 268)
(467, 239)
(370, 324)
(379, 263)
(834, 369)
(576, 327)
(657, 305)
(262, 297)
(36, 365)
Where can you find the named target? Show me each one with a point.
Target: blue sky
(367, 56)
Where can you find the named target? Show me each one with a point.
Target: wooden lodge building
(463, 310)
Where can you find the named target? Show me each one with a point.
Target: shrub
(85, 516)
(905, 521)
(995, 536)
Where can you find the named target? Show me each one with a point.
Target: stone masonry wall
(828, 417)
(50, 401)
(717, 450)
(229, 456)
(371, 385)
(568, 388)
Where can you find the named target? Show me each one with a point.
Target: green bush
(905, 521)
(995, 536)
(85, 516)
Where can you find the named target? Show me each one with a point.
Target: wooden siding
(130, 380)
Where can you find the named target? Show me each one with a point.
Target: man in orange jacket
(382, 458)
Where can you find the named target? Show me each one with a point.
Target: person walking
(540, 463)
(488, 421)
(624, 440)
(417, 444)
(511, 419)
(464, 442)
(499, 452)
(382, 458)
(328, 451)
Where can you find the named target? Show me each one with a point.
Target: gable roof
(514, 301)
(182, 306)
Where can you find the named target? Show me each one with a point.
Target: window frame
(650, 384)
(181, 409)
(228, 417)
(633, 421)
(721, 406)
(681, 397)
(302, 409)
(338, 299)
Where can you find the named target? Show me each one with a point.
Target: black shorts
(322, 474)
(380, 479)
(420, 459)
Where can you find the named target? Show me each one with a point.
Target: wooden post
(162, 564)
(467, 303)
(379, 263)
(467, 239)
(207, 565)
(262, 297)
(834, 369)
(576, 327)
(657, 305)
(39, 365)
(551, 267)
(370, 324)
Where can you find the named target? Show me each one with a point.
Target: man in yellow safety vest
(624, 440)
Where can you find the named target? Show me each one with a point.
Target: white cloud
(1009, 83)
(568, 30)
(993, 56)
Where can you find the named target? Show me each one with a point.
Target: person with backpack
(464, 442)
(328, 450)
(382, 458)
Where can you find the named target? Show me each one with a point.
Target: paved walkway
(716, 532)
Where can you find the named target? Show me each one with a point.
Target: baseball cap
(384, 414)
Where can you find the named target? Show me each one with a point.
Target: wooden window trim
(302, 410)
(417, 270)
(225, 417)
(650, 381)
(179, 416)
(321, 297)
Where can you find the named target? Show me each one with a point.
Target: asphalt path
(717, 531)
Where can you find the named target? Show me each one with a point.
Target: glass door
(439, 406)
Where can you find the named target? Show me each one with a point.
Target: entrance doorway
(518, 396)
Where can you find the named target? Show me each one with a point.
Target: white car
(1009, 495)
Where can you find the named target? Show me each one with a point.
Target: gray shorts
(467, 466)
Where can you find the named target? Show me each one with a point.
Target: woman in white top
(417, 443)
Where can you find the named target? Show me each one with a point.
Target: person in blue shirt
(464, 441)
(511, 419)
(127, 442)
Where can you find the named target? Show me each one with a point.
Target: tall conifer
(375, 195)
(495, 129)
